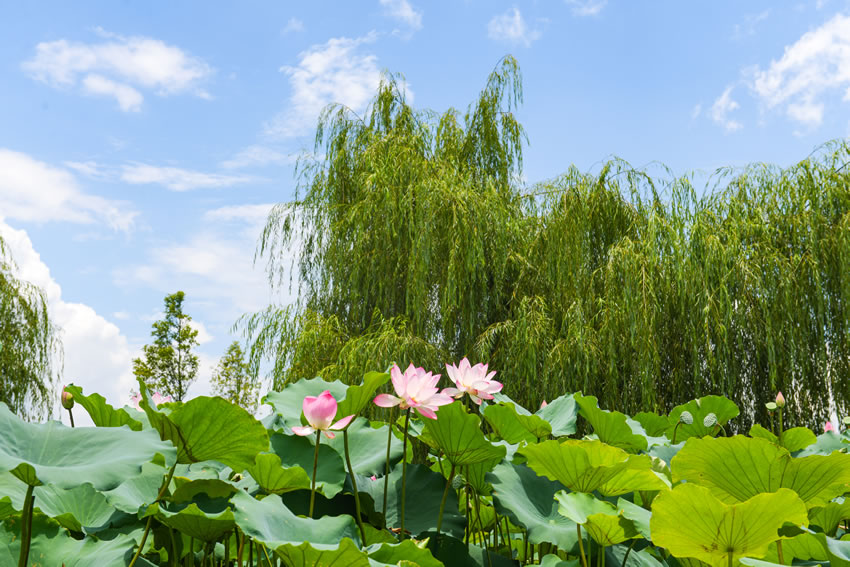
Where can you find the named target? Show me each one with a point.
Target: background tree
(169, 365)
(232, 381)
(415, 239)
(29, 345)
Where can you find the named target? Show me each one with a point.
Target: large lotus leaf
(691, 522)
(737, 468)
(601, 519)
(102, 414)
(358, 397)
(641, 517)
(793, 439)
(422, 505)
(655, 425)
(586, 466)
(201, 470)
(207, 428)
(274, 478)
(288, 402)
(723, 409)
(51, 453)
(803, 547)
(305, 555)
(367, 447)
(561, 414)
(837, 551)
(529, 501)
(273, 524)
(205, 519)
(295, 451)
(212, 488)
(406, 553)
(615, 554)
(830, 515)
(476, 475)
(452, 552)
(458, 435)
(138, 492)
(827, 443)
(514, 427)
(551, 560)
(610, 426)
(80, 509)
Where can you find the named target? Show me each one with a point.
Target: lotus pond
(403, 473)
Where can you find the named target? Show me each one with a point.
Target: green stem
(445, 496)
(601, 560)
(780, 427)
(150, 518)
(779, 552)
(354, 487)
(315, 469)
(71, 415)
(629, 550)
(26, 527)
(508, 537)
(227, 549)
(387, 469)
(581, 545)
(404, 471)
(731, 563)
(206, 555)
(673, 441)
(266, 553)
(172, 557)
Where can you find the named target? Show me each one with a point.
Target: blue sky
(142, 144)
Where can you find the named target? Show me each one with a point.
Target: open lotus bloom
(472, 380)
(320, 411)
(156, 397)
(415, 389)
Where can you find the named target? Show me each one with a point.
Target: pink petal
(452, 372)
(439, 400)
(303, 430)
(329, 434)
(320, 411)
(453, 392)
(464, 365)
(342, 422)
(477, 400)
(386, 400)
(426, 412)
(399, 380)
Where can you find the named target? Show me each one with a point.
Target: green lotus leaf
(803, 547)
(514, 427)
(295, 451)
(561, 414)
(405, 553)
(827, 443)
(641, 517)
(422, 506)
(51, 453)
(136, 493)
(80, 509)
(458, 435)
(831, 514)
(201, 470)
(737, 468)
(654, 424)
(206, 519)
(616, 554)
(691, 522)
(793, 439)
(274, 478)
(724, 409)
(610, 426)
(529, 501)
(551, 560)
(367, 447)
(288, 402)
(601, 519)
(7, 508)
(586, 466)
(358, 397)
(211, 488)
(207, 428)
(102, 414)
(837, 551)
(455, 553)
(476, 475)
(305, 555)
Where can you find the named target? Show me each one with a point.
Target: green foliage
(232, 381)
(29, 344)
(169, 365)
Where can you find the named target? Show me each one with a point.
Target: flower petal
(303, 430)
(438, 400)
(386, 400)
(399, 380)
(426, 412)
(320, 411)
(329, 434)
(453, 392)
(342, 423)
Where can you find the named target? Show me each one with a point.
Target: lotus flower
(780, 400)
(827, 427)
(472, 380)
(415, 389)
(156, 397)
(320, 411)
(543, 405)
(67, 399)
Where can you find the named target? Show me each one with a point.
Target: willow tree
(413, 238)
(29, 346)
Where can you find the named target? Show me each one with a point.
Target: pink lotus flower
(543, 405)
(320, 411)
(472, 380)
(827, 427)
(415, 389)
(156, 397)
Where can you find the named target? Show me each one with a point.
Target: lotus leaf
(723, 409)
(288, 402)
(605, 524)
(458, 436)
(102, 414)
(610, 426)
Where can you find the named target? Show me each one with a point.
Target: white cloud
(510, 26)
(587, 7)
(334, 71)
(254, 215)
(204, 335)
(33, 191)
(722, 107)
(294, 25)
(816, 64)
(97, 356)
(258, 156)
(695, 113)
(748, 26)
(119, 67)
(121, 315)
(404, 12)
(178, 179)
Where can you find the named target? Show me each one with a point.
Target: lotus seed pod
(710, 420)
(780, 400)
(458, 481)
(846, 420)
(771, 406)
(686, 418)
(67, 399)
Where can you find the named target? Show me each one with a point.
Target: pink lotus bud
(543, 405)
(780, 400)
(67, 399)
(373, 477)
(827, 427)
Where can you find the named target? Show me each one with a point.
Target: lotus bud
(771, 406)
(686, 418)
(67, 399)
(458, 481)
(780, 400)
(710, 420)
(827, 427)
(543, 405)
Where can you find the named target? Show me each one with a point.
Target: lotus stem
(445, 496)
(71, 416)
(315, 470)
(227, 549)
(354, 487)
(387, 469)
(266, 553)
(172, 557)
(26, 527)
(676, 428)
(508, 537)
(780, 426)
(601, 559)
(404, 471)
(731, 562)
(629, 550)
(581, 545)
(779, 552)
(150, 518)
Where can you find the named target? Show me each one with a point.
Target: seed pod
(686, 418)
(710, 420)
(458, 481)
